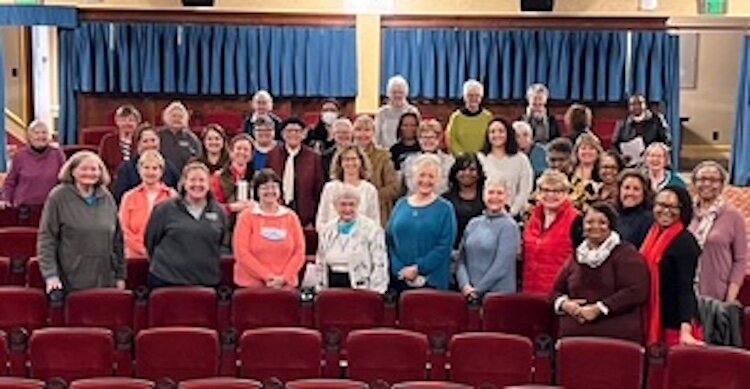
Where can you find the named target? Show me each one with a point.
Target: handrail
(18, 134)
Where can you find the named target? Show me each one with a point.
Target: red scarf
(653, 249)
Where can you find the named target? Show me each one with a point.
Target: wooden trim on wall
(556, 22)
(215, 17)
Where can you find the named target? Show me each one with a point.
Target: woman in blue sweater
(487, 255)
(421, 232)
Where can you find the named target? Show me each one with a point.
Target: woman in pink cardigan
(269, 245)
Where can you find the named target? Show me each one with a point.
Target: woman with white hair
(178, 143)
(262, 106)
(542, 122)
(536, 153)
(487, 255)
(33, 172)
(351, 248)
(80, 241)
(657, 167)
(467, 127)
(421, 232)
(386, 121)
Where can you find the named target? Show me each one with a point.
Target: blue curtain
(740, 164)
(575, 65)
(38, 15)
(3, 135)
(204, 60)
(655, 73)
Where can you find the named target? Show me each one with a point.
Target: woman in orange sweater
(269, 245)
(137, 203)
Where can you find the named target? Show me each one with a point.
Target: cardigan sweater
(369, 205)
(183, 250)
(308, 180)
(81, 244)
(487, 257)
(545, 251)
(267, 246)
(468, 131)
(422, 236)
(32, 176)
(677, 271)
(621, 283)
(724, 255)
(111, 153)
(516, 171)
(386, 181)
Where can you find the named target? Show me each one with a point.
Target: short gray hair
(537, 90)
(710, 164)
(395, 81)
(66, 171)
(663, 147)
(522, 128)
(176, 105)
(347, 193)
(262, 94)
(342, 122)
(473, 84)
(424, 161)
(493, 183)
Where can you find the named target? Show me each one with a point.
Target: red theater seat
(387, 355)
(429, 385)
(4, 353)
(177, 353)
(340, 311)
(490, 360)
(220, 383)
(746, 328)
(183, 306)
(4, 271)
(18, 244)
(22, 310)
(284, 354)
(262, 307)
(92, 135)
(112, 383)
(21, 383)
(34, 277)
(106, 308)
(323, 383)
(707, 367)
(69, 150)
(71, 353)
(137, 272)
(439, 315)
(599, 363)
(23, 216)
(232, 122)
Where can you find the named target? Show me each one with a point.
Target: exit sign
(713, 7)
(29, 2)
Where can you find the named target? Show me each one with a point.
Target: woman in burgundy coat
(603, 289)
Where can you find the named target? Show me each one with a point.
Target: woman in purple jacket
(34, 170)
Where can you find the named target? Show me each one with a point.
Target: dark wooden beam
(526, 22)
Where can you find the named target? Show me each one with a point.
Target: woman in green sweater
(467, 127)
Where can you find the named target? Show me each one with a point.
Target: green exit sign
(713, 7)
(29, 2)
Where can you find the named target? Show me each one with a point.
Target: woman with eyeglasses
(429, 134)
(609, 166)
(671, 253)
(720, 231)
(547, 239)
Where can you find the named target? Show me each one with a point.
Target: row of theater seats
(264, 330)
(378, 357)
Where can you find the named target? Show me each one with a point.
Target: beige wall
(14, 86)
(712, 104)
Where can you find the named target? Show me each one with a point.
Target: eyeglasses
(269, 187)
(428, 137)
(671, 207)
(708, 180)
(552, 190)
(609, 167)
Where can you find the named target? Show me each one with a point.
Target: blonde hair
(176, 105)
(66, 171)
(664, 148)
(151, 156)
(430, 125)
(586, 139)
(423, 161)
(553, 178)
(364, 122)
(337, 169)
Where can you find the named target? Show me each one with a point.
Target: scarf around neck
(595, 257)
(706, 220)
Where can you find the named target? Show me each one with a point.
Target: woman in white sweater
(502, 161)
(350, 169)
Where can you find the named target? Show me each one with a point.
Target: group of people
(398, 203)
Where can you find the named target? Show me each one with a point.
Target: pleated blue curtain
(576, 65)
(740, 164)
(206, 60)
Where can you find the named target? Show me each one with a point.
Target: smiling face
(196, 184)
(559, 161)
(293, 135)
(596, 227)
(656, 159)
(709, 183)
(552, 197)
(666, 208)
(608, 169)
(242, 152)
(429, 141)
(149, 141)
(351, 163)
(587, 154)
(468, 176)
(427, 178)
(397, 95)
(364, 136)
(150, 171)
(176, 119)
(538, 104)
(126, 125)
(39, 136)
(269, 193)
(496, 198)
(88, 172)
(497, 135)
(473, 99)
(524, 140)
(409, 128)
(262, 105)
(213, 142)
(343, 134)
(346, 209)
(632, 192)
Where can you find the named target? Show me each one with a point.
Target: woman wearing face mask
(351, 248)
(609, 166)
(671, 253)
(487, 255)
(215, 144)
(407, 139)
(269, 245)
(636, 215)
(137, 203)
(421, 232)
(184, 234)
(80, 241)
(320, 137)
(386, 121)
(657, 167)
(601, 292)
(720, 231)
(33, 172)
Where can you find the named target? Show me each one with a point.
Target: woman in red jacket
(547, 242)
